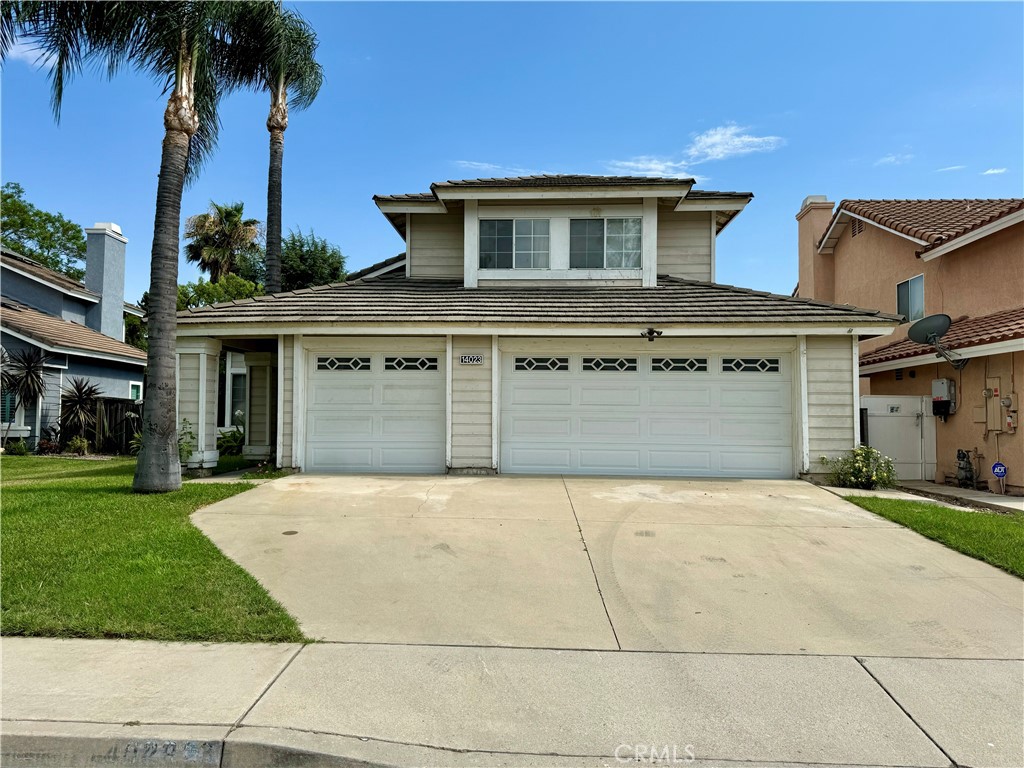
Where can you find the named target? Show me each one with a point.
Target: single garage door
(725, 414)
(375, 412)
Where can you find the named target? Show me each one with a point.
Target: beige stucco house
(962, 258)
(542, 324)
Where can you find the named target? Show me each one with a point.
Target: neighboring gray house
(544, 324)
(80, 326)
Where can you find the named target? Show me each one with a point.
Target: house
(915, 258)
(79, 326)
(538, 324)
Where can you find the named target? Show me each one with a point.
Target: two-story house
(79, 326)
(915, 258)
(541, 324)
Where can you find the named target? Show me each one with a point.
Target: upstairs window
(605, 243)
(910, 298)
(515, 243)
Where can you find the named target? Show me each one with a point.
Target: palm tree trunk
(158, 469)
(277, 122)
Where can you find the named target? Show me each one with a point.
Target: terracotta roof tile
(934, 221)
(969, 332)
(401, 300)
(62, 334)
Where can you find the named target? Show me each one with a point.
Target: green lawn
(996, 538)
(82, 556)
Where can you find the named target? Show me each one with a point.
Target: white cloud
(993, 172)
(493, 169)
(894, 159)
(28, 53)
(950, 168)
(719, 143)
(727, 141)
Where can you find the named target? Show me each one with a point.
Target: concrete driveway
(705, 566)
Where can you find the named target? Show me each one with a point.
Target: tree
(49, 238)
(24, 374)
(198, 50)
(219, 238)
(308, 260)
(230, 288)
(293, 77)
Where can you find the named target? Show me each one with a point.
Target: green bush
(135, 444)
(78, 445)
(231, 443)
(16, 448)
(863, 467)
(186, 441)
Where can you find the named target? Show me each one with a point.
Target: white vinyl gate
(903, 428)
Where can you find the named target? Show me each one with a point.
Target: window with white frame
(910, 298)
(134, 390)
(233, 389)
(515, 243)
(9, 410)
(611, 243)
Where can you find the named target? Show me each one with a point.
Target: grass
(82, 556)
(268, 474)
(997, 539)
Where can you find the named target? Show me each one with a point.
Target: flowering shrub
(863, 467)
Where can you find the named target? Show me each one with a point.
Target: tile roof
(62, 334)
(964, 332)
(934, 221)
(25, 264)
(394, 260)
(674, 301)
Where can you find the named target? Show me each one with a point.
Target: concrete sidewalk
(83, 702)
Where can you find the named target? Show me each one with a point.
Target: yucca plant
(24, 374)
(78, 406)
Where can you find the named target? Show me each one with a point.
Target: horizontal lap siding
(210, 430)
(256, 420)
(830, 407)
(435, 245)
(287, 398)
(188, 389)
(684, 244)
(471, 403)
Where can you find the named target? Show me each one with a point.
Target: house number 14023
(471, 360)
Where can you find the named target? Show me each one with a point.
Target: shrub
(863, 467)
(16, 448)
(186, 441)
(135, 444)
(78, 445)
(47, 447)
(231, 443)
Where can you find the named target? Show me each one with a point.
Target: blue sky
(866, 100)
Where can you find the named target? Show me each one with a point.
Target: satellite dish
(928, 331)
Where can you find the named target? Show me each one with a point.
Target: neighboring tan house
(79, 326)
(541, 324)
(962, 258)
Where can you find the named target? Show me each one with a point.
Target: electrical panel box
(993, 410)
(943, 397)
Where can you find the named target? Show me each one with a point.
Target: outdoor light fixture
(650, 334)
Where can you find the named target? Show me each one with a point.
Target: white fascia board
(398, 265)
(133, 311)
(841, 222)
(251, 330)
(411, 206)
(930, 358)
(978, 234)
(562, 193)
(84, 294)
(58, 349)
(711, 205)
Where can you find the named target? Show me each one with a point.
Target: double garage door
(663, 413)
(674, 412)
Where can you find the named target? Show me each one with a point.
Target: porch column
(261, 376)
(198, 363)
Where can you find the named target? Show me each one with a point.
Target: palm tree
(197, 50)
(219, 238)
(24, 375)
(293, 77)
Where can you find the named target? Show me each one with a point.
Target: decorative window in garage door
(541, 364)
(343, 363)
(751, 365)
(619, 364)
(410, 363)
(675, 364)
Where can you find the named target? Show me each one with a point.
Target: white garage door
(375, 412)
(698, 414)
